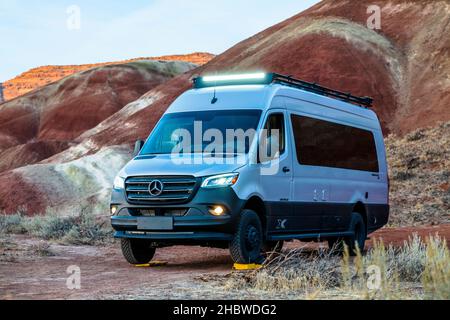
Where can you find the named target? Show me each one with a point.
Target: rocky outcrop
(419, 166)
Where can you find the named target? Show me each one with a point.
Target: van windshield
(211, 132)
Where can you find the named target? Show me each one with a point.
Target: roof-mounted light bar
(234, 77)
(268, 78)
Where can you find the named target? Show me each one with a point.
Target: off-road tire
(247, 242)
(358, 240)
(137, 251)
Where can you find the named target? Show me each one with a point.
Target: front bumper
(196, 224)
(174, 236)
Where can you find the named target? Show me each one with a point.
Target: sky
(46, 32)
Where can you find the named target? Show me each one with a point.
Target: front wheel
(247, 242)
(137, 251)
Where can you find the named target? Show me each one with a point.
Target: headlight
(223, 180)
(119, 183)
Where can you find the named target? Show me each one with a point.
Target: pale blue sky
(35, 33)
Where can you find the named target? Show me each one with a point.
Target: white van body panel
(229, 98)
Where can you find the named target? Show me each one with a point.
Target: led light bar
(234, 77)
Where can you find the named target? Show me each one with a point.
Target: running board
(300, 236)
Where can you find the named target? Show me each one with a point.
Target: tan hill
(38, 77)
(405, 67)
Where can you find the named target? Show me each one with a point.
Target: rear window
(327, 144)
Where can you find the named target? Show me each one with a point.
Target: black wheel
(358, 226)
(246, 245)
(273, 247)
(137, 251)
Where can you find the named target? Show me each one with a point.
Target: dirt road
(30, 269)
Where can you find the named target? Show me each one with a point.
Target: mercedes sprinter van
(246, 162)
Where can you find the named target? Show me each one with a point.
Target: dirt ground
(33, 269)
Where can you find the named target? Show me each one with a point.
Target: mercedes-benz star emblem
(155, 188)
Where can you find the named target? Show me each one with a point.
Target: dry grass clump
(419, 269)
(299, 270)
(436, 275)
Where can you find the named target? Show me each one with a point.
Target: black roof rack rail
(260, 78)
(324, 91)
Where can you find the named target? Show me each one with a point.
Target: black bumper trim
(301, 236)
(203, 236)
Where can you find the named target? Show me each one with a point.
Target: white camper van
(327, 179)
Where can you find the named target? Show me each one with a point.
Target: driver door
(276, 171)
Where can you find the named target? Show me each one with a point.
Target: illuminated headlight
(217, 210)
(220, 181)
(113, 210)
(119, 183)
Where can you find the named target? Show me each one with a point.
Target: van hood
(190, 165)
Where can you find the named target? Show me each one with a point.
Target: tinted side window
(327, 144)
(276, 122)
(276, 137)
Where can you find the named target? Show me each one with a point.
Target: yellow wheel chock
(152, 264)
(251, 266)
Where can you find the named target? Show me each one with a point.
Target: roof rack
(261, 78)
(324, 91)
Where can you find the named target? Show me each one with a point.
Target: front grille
(176, 189)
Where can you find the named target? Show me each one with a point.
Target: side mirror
(137, 147)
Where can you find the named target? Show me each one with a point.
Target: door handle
(286, 170)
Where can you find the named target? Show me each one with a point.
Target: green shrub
(50, 227)
(87, 232)
(83, 229)
(12, 224)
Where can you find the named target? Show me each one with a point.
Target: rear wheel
(137, 251)
(247, 242)
(358, 240)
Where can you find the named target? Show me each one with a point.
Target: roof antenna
(214, 99)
